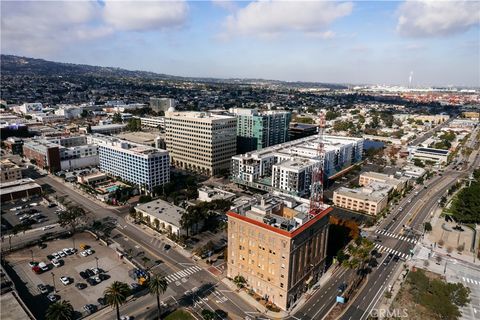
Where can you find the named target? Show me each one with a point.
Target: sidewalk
(251, 301)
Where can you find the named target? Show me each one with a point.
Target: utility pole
(31, 251)
(96, 260)
(53, 280)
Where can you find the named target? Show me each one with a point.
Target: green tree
(427, 226)
(71, 219)
(330, 115)
(60, 310)
(208, 315)
(117, 118)
(116, 295)
(239, 281)
(157, 286)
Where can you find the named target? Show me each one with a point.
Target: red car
(37, 269)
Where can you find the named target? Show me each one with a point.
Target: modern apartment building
(9, 171)
(200, 141)
(278, 248)
(142, 165)
(371, 199)
(287, 167)
(257, 130)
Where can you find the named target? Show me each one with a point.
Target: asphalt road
(212, 292)
(413, 216)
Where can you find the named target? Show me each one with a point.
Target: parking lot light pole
(53, 279)
(96, 260)
(31, 251)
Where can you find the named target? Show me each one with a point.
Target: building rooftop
(162, 210)
(432, 150)
(375, 191)
(277, 212)
(194, 115)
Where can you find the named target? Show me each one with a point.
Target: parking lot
(114, 269)
(34, 212)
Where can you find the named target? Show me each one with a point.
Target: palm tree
(61, 310)
(116, 295)
(157, 286)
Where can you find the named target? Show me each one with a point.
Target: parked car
(83, 275)
(167, 247)
(42, 265)
(65, 280)
(80, 285)
(57, 263)
(89, 272)
(42, 288)
(90, 308)
(90, 251)
(32, 264)
(84, 253)
(53, 297)
(91, 282)
(102, 301)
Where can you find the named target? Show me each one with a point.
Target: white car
(65, 280)
(67, 251)
(84, 253)
(47, 227)
(126, 318)
(72, 250)
(56, 255)
(61, 254)
(89, 251)
(56, 263)
(42, 265)
(95, 270)
(52, 297)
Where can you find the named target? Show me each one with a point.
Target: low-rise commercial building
(438, 156)
(208, 194)
(108, 128)
(18, 189)
(398, 184)
(43, 153)
(279, 250)
(9, 171)
(415, 172)
(371, 199)
(14, 145)
(164, 216)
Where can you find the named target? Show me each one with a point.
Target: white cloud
(144, 15)
(424, 18)
(33, 27)
(271, 18)
(45, 27)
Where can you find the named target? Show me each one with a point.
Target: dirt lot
(108, 260)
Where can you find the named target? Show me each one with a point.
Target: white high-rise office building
(201, 141)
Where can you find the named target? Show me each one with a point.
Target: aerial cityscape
(257, 160)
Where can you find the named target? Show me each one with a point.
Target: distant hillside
(23, 66)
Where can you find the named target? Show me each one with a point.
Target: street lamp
(96, 260)
(53, 280)
(31, 251)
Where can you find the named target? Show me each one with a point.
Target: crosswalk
(182, 274)
(396, 236)
(381, 248)
(471, 281)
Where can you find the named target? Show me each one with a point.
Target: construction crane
(316, 191)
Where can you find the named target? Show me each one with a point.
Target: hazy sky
(377, 42)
